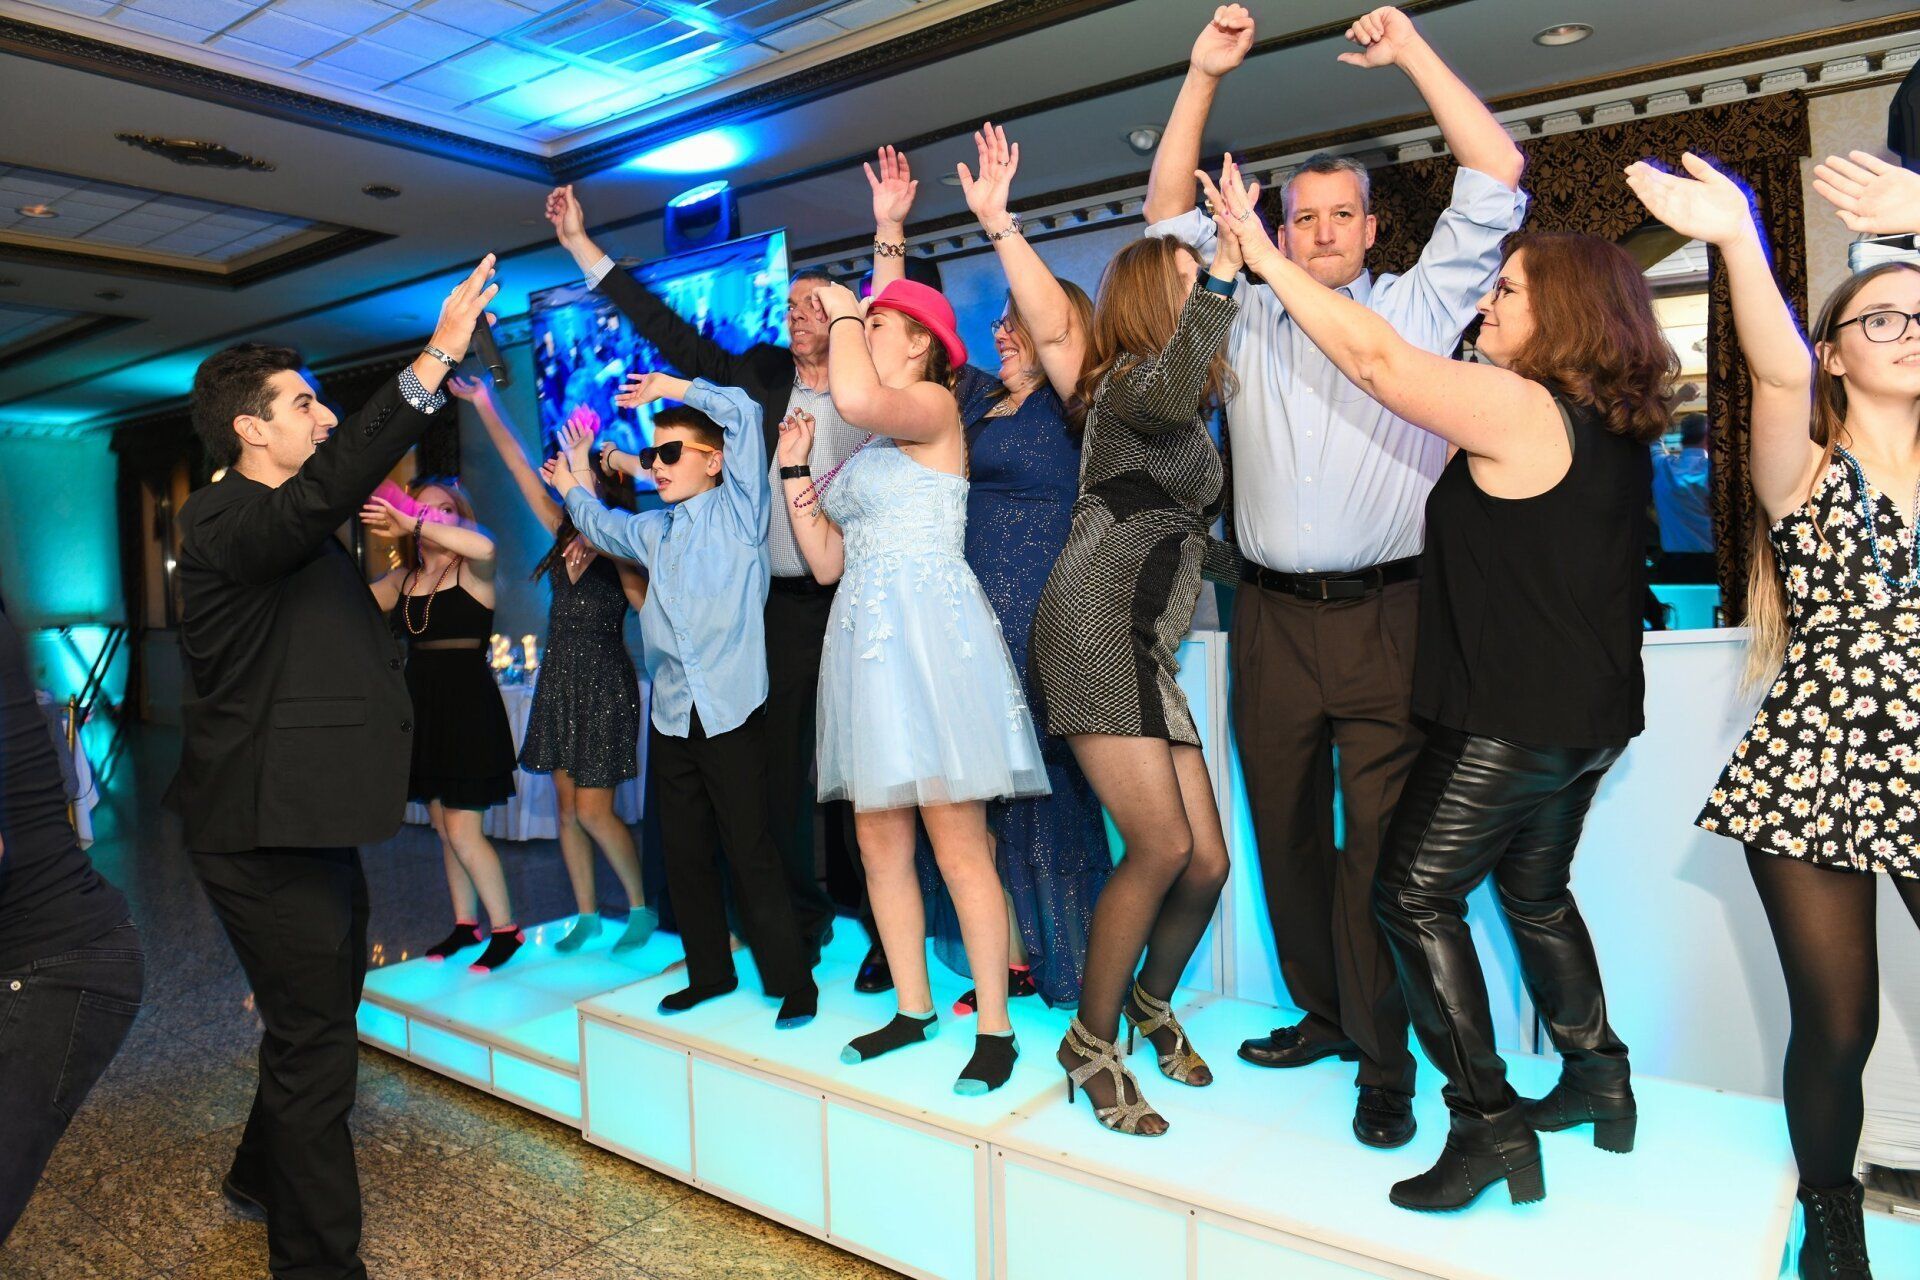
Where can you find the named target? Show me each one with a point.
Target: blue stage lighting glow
(707, 152)
(451, 1053)
(383, 1026)
(540, 1087)
(694, 195)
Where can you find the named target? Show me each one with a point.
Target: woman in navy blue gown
(1024, 464)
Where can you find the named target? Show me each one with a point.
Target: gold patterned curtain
(1575, 184)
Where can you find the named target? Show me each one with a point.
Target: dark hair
(1693, 428)
(810, 273)
(232, 383)
(563, 533)
(687, 418)
(1595, 339)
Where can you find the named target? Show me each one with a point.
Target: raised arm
(478, 392)
(1043, 304)
(468, 541)
(1221, 47)
(819, 538)
(1487, 411)
(1707, 205)
(270, 535)
(1870, 195)
(743, 460)
(1387, 37)
(916, 414)
(1163, 391)
(682, 345)
(893, 191)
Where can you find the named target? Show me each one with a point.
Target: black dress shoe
(1292, 1047)
(1612, 1115)
(1383, 1118)
(875, 976)
(247, 1204)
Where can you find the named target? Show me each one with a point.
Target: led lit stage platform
(1259, 1175)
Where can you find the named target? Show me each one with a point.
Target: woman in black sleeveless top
(1528, 673)
(462, 744)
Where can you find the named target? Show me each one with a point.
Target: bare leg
(481, 862)
(893, 887)
(595, 808)
(575, 852)
(466, 903)
(964, 851)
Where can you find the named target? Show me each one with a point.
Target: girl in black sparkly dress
(462, 746)
(584, 728)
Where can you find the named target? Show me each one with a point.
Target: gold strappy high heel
(1178, 1063)
(1122, 1116)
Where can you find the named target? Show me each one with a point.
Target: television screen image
(583, 349)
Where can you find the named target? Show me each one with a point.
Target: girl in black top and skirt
(1527, 673)
(462, 746)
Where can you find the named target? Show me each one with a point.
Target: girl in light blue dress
(921, 707)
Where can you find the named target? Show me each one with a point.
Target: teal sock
(583, 930)
(641, 922)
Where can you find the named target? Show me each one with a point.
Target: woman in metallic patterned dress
(1119, 600)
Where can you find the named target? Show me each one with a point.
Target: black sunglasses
(669, 452)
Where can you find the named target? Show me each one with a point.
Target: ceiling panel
(20, 324)
(110, 213)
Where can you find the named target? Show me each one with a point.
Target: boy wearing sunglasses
(702, 626)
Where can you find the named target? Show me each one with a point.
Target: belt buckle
(1311, 589)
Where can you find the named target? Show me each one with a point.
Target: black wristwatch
(796, 473)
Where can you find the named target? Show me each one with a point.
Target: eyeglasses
(1882, 326)
(1003, 324)
(669, 452)
(1504, 286)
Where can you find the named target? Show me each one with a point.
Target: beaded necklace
(815, 491)
(426, 615)
(1901, 587)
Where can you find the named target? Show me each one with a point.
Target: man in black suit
(296, 747)
(777, 379)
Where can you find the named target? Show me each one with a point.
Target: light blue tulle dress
(919, 700)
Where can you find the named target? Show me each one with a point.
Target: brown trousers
(1309, 677)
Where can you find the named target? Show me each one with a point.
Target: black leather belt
(1333, 586)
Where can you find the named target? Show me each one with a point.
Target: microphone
(489, 351)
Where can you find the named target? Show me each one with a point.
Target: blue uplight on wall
(708, 152)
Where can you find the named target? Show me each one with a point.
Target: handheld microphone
(489, 351)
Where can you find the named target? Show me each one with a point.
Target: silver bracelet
(442, 357)
(1012, 228)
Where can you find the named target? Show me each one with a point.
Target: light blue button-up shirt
(1325, 480)
(706, 560)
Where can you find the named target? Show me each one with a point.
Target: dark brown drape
(1575, 183)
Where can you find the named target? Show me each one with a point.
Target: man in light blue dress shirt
(704, 632)
(1329, 498)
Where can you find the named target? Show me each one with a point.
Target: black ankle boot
(1835, 1247)
(1478, 1154)
(1611, 1113)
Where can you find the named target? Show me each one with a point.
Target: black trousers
(1310, 676)
(1475, 806)
(796, 622)
(298, 921)
(712, 793)
(62, 1019)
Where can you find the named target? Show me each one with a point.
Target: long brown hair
(1140, 304)
(409, 548)
(1595, 339)
(1766, 595)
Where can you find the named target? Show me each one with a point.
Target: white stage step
(1259, 1175)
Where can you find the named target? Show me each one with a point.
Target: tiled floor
(455, 1183)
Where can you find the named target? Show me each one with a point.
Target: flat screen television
(735, 293)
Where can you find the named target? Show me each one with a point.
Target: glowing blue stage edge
(708, 152)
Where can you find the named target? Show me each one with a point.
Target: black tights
(1161, 896)
(1823, 928)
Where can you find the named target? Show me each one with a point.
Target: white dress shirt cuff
(598, 271)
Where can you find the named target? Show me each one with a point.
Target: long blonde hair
(1766, 594)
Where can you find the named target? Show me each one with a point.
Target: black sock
(990, 1065)
(905, 1029)
(684, 999)
(501, 944)
(465, 933)
(798, 1008)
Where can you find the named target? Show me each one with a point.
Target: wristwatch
(796, 473)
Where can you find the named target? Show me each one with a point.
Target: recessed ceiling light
(1144, 138)
(37, 211)
(109, 295)
(1563, 33)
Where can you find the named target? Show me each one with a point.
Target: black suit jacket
(763, 371)
(297, 721)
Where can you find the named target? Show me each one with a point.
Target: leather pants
(1473, 806)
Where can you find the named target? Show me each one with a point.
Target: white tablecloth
(530, 815)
